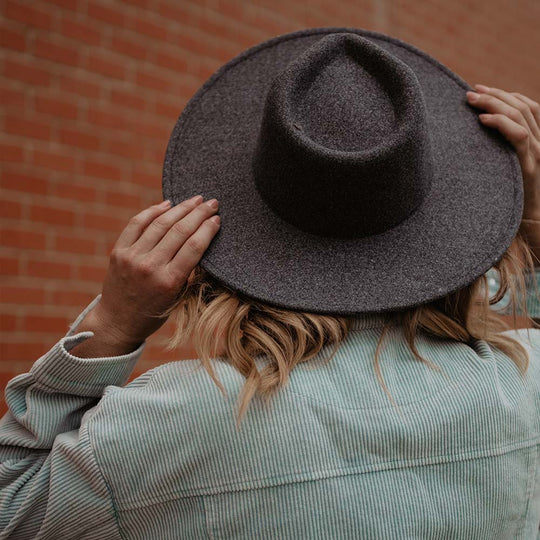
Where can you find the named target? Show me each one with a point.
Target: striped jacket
(83, 456)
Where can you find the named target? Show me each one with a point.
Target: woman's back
(331, 456)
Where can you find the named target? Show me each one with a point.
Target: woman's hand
(517, 117)
(149, 265)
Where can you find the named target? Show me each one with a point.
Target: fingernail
(472, 96)
(164, 204)
(483, 116)
(216, 219)
(212, 203)
(481, 87)
(197, 198)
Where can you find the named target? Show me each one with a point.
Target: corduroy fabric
(83, 457)
(461, 229)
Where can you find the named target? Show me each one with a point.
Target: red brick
(53, 216)
(70, 190)
(22, 295)
(102, 170)
(53, 160)
(10, 38)
(25, 72)
(128, 150)
(10, 209)
(116, 17)
(189, 42)
(22, 239)
(67, 4)
(129, 99)
(146, 4)
(147, 179)
(4, 379)
(71, 298)
(187, 87)
(75, 243)
(266, 21)
(82, 86)
(127, 200)
(8, 322)
(233, 9)
(79, 139)
(169, 110)
(216, 27)
(129, 47)
(12, 98)
(102, 64)
(17, 125)
(45, 48)
(92, 273)
(153, 79)
(9, 266)
(203, 68)
(155, 130)
(178, 12)
(103, 222)
(56, 107)
(152, 29)
(11, 152)
(154, 155)
(108, 118)
(109, 245)
(80, 30)
(39, 323)
(14, 352)
(175, 61)
(49, 269)
(27, 14)
(24, 182)
(224, 52)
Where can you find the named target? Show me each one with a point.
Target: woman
(446, 444)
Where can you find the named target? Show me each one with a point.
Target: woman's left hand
(149, 265)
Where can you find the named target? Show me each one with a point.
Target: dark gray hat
(352, 175)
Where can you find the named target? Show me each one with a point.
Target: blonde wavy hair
(211, 314)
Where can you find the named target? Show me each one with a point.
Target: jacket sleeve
(50, 483)
(503, 306)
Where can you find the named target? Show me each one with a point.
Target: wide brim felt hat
(351, 173)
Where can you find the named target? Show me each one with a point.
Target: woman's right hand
(517, 117)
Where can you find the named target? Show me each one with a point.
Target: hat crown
(343, 148)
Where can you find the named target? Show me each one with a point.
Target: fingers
(193, 249)
(514, 132)
(185, 231)
(533, 105)
(524, 108)
(495, 105)
(157, 228)
(138, 223)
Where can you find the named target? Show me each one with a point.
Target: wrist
(105, 342)
(109, 329)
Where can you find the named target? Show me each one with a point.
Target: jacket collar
(369, 320)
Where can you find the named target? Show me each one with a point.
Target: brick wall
(91, 91)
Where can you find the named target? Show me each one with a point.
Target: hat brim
(464, 226)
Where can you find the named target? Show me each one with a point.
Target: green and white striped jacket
(83, 456)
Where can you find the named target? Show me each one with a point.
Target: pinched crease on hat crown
(343, 149)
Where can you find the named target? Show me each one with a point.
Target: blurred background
(90, 91)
